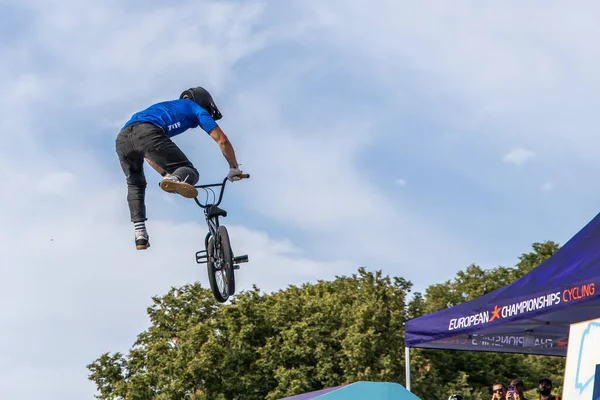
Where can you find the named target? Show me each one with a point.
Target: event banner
(504, 343)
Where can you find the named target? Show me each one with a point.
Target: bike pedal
(236, 266)
(201, 257)
(240, 259)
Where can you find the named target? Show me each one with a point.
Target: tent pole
(407, 366)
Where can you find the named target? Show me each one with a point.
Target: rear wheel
(227, 258)
(216, 273)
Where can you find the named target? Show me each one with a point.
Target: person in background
(498, 391)
(545, 389)
(515, 390)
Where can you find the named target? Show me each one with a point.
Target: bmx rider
(147, 136)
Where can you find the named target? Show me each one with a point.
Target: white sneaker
(141, 240)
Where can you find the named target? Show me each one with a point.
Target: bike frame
(212, 222)
(217, 262)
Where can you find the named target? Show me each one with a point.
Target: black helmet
(201, 97)
(456, 397)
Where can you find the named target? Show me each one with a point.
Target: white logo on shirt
(174, 126)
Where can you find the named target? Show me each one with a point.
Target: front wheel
(220, 266)
(227, 258)
(216, 273)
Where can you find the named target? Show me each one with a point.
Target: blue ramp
(360, 391)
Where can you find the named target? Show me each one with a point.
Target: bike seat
(214, 211)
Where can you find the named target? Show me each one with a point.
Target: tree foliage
(263, 346)
(305, 338)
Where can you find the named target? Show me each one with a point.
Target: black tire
(227, 257)
(216, 276)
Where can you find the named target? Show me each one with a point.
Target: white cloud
(400, 182)
(518, 156)
(310, 180)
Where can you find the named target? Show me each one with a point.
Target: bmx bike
(218, 255)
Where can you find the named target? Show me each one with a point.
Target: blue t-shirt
(175, 117)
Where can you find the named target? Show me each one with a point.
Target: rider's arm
(226, 148)
(208, 124)
(156, 167)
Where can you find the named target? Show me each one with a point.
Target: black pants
(141, 140)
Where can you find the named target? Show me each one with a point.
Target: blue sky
(411, 138)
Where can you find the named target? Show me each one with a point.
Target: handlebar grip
(244, 176)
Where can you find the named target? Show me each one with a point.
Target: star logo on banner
(495, 313)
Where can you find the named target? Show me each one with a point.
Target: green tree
(308, 337)
(263, 346)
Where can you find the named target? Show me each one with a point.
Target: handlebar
(222, 185)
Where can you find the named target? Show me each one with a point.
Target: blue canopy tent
(531, 315)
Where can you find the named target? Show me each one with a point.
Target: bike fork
(202, 255)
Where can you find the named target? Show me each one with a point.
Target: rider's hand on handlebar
(234, 174)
